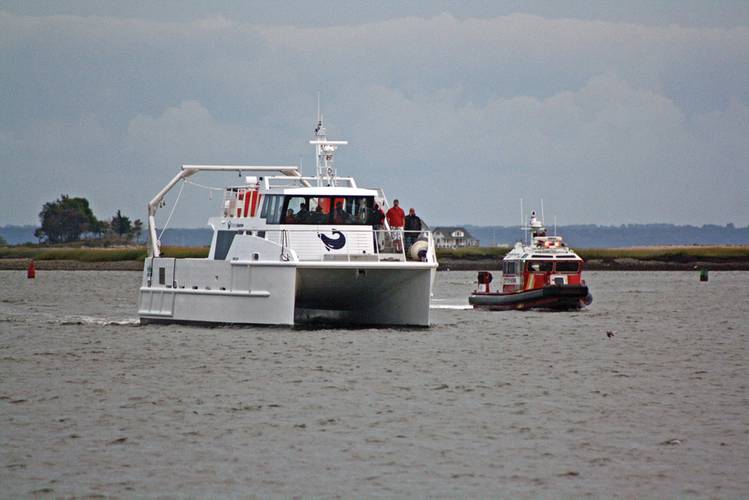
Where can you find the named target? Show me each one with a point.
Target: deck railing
(363, 245)
(385, 246)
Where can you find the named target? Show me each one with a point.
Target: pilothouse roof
(326, 191)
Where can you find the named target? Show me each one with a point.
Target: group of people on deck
(317, 216)
(398, 222)
(404, 229)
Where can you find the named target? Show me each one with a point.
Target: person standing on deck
(396, 219)
(376, 220)
(376, 217)
(413, 223)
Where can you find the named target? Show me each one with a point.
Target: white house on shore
(453, 237)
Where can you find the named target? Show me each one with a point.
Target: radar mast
(324, 152)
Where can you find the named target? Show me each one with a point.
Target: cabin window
(340, 210)
(540, 266)
(306, 210)
(264, 206)
(223, 243)
(271, 209)
(510, 267)
(162, 275)
(567, 267)
(299, 206)
(352, 210)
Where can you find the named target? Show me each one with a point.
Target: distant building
(453, 237)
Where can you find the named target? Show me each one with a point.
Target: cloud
(46, 159)
(598, 152)
(187, 130)
(609, 122)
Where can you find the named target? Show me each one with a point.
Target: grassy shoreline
(727, 257)
(653, 258)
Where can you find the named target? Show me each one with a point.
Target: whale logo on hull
(333, 243)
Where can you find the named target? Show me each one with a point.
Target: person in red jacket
(396, 220)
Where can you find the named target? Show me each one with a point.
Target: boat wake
(454, 307)
(90, 320)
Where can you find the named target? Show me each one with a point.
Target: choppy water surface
(483, 403)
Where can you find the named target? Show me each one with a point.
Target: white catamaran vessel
(289, 249)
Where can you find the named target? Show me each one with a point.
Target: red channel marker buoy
(31, 271)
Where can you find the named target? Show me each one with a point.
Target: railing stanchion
(377, 243)
(403, 243)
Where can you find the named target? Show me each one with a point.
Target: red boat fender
(31, 271)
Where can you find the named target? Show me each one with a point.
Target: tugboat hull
(555, 297)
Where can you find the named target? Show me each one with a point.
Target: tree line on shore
(70, 219)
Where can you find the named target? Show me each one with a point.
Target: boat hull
(363, 296)
(198, 291)
(556, 297)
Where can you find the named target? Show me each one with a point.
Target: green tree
(64, 220)
(102, 228)
(137, 229)
(121, 225)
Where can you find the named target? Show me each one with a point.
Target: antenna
(318, 106)
(522, 217)
(543, 221)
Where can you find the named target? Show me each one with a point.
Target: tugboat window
(567, 267)
(540, 266)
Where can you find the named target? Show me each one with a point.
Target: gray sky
(613, 112)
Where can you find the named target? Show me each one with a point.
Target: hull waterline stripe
(189, 291)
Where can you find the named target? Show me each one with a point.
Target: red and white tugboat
(545, 274)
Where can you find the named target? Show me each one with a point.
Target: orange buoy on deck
(31, 271)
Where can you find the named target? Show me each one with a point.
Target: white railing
(384, 246)
(361, 245)
(277, 181)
